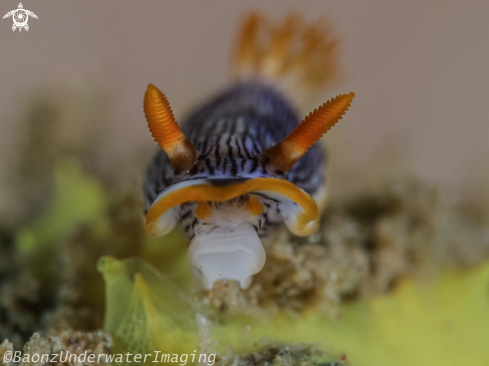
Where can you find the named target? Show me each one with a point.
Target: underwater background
(398, 272)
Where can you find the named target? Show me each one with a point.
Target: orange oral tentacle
(208, 192)
(255, 207)
(203, 210)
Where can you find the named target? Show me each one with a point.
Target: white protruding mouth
(231, 253)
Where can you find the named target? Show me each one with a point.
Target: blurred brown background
(419, 70)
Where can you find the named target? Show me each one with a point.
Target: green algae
(443, 322)
(78, 199)
(145, 311)
(169, 256)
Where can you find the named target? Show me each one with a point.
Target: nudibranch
(233, 172)
(241, 165)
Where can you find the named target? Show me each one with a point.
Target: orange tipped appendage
(166, 131)
(255, 207)
(246, 55)
(305, 55)
(203, 210)
(283, 156)
(317, 123)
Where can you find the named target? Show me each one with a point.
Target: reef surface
(71, 209)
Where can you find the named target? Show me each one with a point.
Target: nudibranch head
(224, 220)
(226, 192)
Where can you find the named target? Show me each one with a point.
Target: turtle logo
(20, 17)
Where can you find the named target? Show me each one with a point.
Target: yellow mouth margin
(210, 192)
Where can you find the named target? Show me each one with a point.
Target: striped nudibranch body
(230, 132)
(243, 163)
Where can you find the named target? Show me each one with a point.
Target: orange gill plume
(248, 46)
(304, 53)
(283, 155)
(276, 60)
(166, 132)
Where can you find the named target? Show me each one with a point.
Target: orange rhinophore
(284, 155)
(166, 132)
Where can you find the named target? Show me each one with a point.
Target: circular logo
(20, 17)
